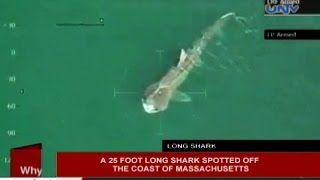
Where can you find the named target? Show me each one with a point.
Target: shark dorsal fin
(183, 56)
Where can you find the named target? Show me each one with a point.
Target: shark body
(158, 95)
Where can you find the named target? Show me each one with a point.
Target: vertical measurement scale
(11, 105)
(12, 80)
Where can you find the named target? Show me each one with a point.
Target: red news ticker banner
(169, 164)
(26, 161)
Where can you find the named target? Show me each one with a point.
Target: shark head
(149, 106)
(156, 99)
(158, 95)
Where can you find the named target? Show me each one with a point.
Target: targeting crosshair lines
(74, 24)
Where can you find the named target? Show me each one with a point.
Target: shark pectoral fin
(151, 88)
(180, 97)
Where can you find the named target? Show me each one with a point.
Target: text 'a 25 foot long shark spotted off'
(158, 95)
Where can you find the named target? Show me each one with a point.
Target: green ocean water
(83, 84)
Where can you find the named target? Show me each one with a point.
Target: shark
(158, 95)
